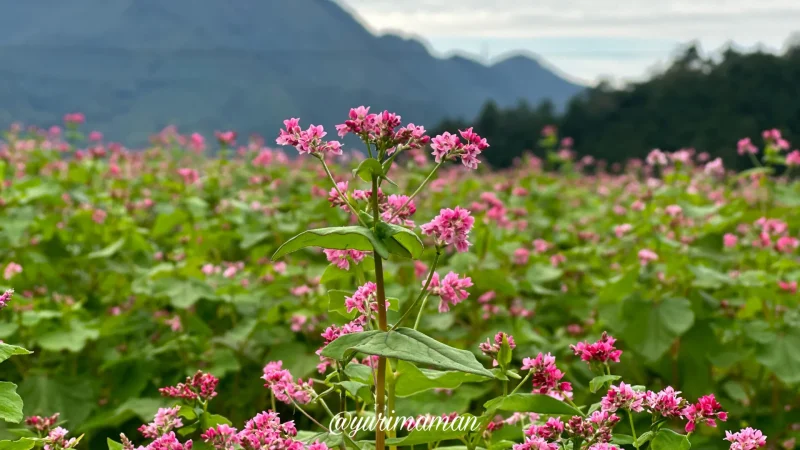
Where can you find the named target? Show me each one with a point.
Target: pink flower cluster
(57, 440)
(11, 270)
(42, 424)
(746, 439)
(623, 397)
(200, 386)
(398, 210)
(745, 146)
(449, 146)
(601, 351)
(382, 126)
(451, 289)
(342, 258)
(309, 141)
(450, 227)
(706, 410)
(166, 420)
(546, 376)
(6, 297)
(363, 299)
(491, 349)
(666, 403)
(283, 386)
(596, 428)
(773, 137)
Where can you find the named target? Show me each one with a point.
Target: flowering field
(560, 305)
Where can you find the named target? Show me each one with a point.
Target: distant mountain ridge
(134, 66)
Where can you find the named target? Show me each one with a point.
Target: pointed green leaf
(669, 440)
(541, 404)
(400, 240)
(10, 403)
(7, 351)
(597, 383)
(407, 345)
(339, 238)
(108, 251)
(412, 380)
(21, 444)
(368, 168)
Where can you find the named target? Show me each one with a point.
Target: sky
(586, 40)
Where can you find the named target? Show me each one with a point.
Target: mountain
(134, 66)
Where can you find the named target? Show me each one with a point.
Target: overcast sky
(586, 39)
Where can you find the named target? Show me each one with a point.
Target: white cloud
(584, 24)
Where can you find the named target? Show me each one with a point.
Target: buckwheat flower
(412, 136)
(786, 244)
(318, 446)
(443, 145)
(550, 431)
(337, 200)
(166, 419)
(746, 439)
(622, 397)
(622, 230)
(491, 349)
(657, 158)
(540, 246)
(57, 440)
(42, 424)
(745, 146)
(788, 286)
(11, 270)
(601, 351)
(647, 256)
(290, 135)
(99, 216)
(359, 122)
(420, 269)
(74, 119)
(450, 227)
(197, 142)
(201, 386)
(793, 159)
(364, 299)
(673, 210)
(536, 443)
(226, 138)
(545, 375)
(729, 240)
(475, 145)
(451, 289)
(557, 259)
(603, 446)
(341, 258)
(521, 256)
(667, 402)
(6, 297)
(221, 437)
(392, 208)
(706, 410)
(169, 442)
(715, 167)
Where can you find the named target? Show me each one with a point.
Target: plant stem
(633, 429)
(341, 195)
(521, 383)
(422, 293)
(419, 314)
(430, 175)
(380, 383)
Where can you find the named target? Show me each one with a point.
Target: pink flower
(74, 119)
(788, 286)
(392, 208)
(730, 240)
(99, 216)
(521, 256)
(190, 176)
(622, 230)
(491, 349)
(715, 167)
(647, 256)
(793, 159)
(197, 142)
(450, 227)
(545, 375)
(451, 289)
(535, 443)
(448, 146)
(786, 244)
(707, 410)
(673, 210)
(221, 437)
(342, 257)
(745, 146)
(557, 259)
(309, 141)
(601, 351)
(603, 446)
(95, 136)
(746, 439)
(201, 385)
(622, 397)
(166, 419)
(667, 403)
(225, 138)
(11, 269)
(657, 158)
(540, 246)
(6, 297)
(169, 442)
(364, 299)
(444, 145)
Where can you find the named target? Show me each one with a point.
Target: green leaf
(400, 240)
(72, 339)
(541, 404)
(185, 293)
(7, 351)
(408, 345)
(339, 238)
(782, 356)
(597, 383)
(108, 251)
(208, 420)
(412, 380)
(643, 439)
(651, 328)
(623, 439)
(356, 389)
(333, 273)
(368, 168)
(541, 273)
(504, 356)
(10, 402)
(669, 440)
(113, 445)
(21, 444)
